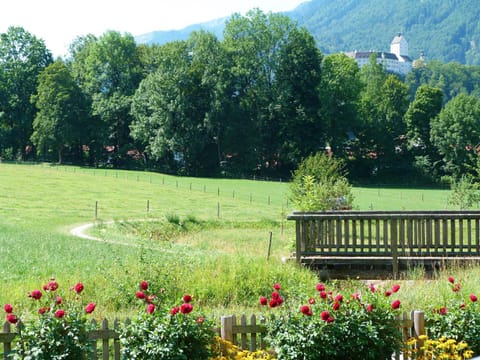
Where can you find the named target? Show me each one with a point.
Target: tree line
(258, 101)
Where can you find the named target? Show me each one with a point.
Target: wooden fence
(247, 333)
(389, 236)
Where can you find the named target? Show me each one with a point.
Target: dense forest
(446, 30)
(255, 102)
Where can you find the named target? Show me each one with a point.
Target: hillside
(446, 30)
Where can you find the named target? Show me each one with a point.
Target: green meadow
(220, 240)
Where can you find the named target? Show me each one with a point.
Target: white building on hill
(396, 61)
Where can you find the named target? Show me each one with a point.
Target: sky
(59, 22)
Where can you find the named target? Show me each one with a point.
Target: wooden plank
(362, 235)
(460, 234)
(298, 242)
(243, 334)
(394, 242)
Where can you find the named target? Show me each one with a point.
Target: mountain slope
(446, 30)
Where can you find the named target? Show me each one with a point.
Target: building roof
(397, 39)
(367, 54)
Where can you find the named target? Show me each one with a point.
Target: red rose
(43, 310)
(174, 311)
(52, 286)
(36, 294)
(276, 286)
(12, 318)
(186, 308)
(336, 305)
(279, 301)
(273, 303)
(59, 313)
(263, 300)
(442, 311)
(395, 288)
(58, 300)
(311, 301)
(140, 295)
(325, 315)
(330, 319)
(200, 320)
(275, 295)
(306, 310)
(90, 307)
(388, 293)
(396, 304)
(456, 288)
(150, 308)
(463, 306)
(473, 297)
(451, 279)
(372, 288)
(323, 294)
(144, 285)
(369, 308)
(356, 296)
(320, 287)
(78, 288)
(339, 298)
(8, 308)
(186, 298)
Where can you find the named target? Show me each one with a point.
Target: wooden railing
(247, 333)
(394, 234)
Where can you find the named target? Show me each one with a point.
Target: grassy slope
(224, 266)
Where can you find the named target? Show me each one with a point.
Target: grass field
(218, 251)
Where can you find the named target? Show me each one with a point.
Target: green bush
(458, 319)
(320, 183)
(160, 333)
(61, 331)
(329, 326)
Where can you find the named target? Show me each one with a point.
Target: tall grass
(220, 257)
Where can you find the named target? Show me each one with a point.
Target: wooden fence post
(226, 331)
(419, 326)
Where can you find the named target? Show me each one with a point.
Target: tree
(23, 58)
(340, 90)
(456, 133)
(300, 132)
(320, 183)
(465, 192)
(108, 70)
(176, 108)
(384, 101)
(269, 55)
(425, 107)
(61, 111)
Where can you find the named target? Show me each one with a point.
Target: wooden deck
(385, 240)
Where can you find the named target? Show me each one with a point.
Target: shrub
(331, 326)
(459, 319)
(320, 183)
(162, 333)
(61, 329)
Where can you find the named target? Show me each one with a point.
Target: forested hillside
(446, 30)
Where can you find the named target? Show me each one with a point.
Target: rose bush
(333, 326)
(160, 332)
(60, 332)
(457, 319)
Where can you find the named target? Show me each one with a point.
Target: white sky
(59, 22)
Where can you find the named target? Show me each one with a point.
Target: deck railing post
(394, 244)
